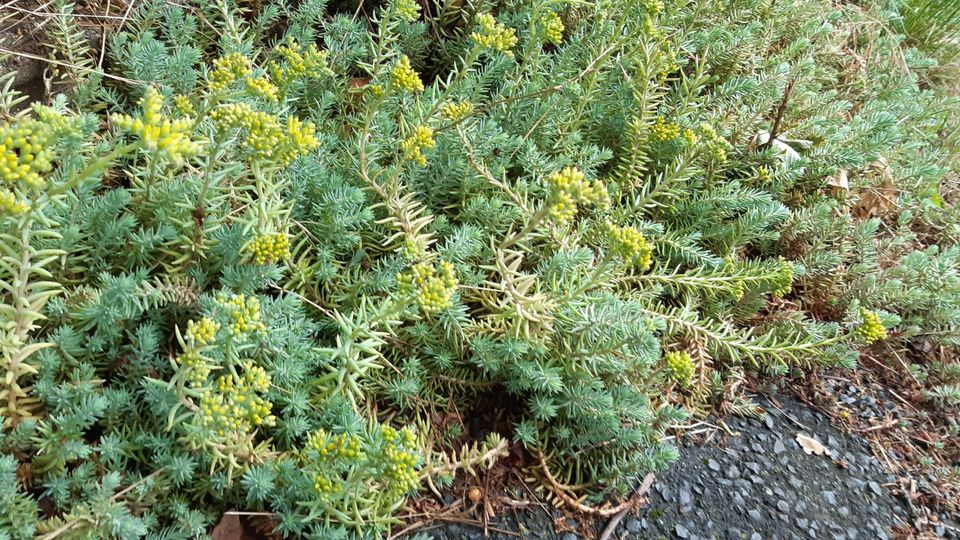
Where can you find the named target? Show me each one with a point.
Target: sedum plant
(258, 277)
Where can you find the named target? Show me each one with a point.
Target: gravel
(757, 484)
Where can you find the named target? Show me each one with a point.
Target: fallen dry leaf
(811, 445)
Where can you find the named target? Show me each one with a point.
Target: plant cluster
(251, 267)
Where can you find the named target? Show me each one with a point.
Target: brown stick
(554, 486)
(781, 110)
(615, 520)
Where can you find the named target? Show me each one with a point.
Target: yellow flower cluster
(26, 152)
(298, 63)
(629, 244)
(195, 366)
(267, 140)
(493, 35)
(261, 88)
(784, 280)
(691, 137)
(405, 77)
(267, 248)
(325, 487)
(654, 6)
(433, 288)
(456, 111)
(243, 312)
(413, 146)
(551, 27)
(234, 405)
(228, 70)
(331, 447)
(202, 332)
(567, 189)
(408, 10)
(680, 366)
(169, 138)
(871, 328)
(763, 175)
(182, 105)
(715, 146)
(662, 131)
(402, 458)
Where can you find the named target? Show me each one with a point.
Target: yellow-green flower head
(11, 205)
(227, 70)
(784, 279)
(433, 288)
(413, 146)
(183, 105)
(244, 314)
(630, 245)
(267, 248)
(196, 368)
(402, 458)
(654, 6)
(267, 140)
(413, 248)
(261, 88)
(405, 77)
(326, 487)
(329, 447)
(714, 145)
(408, 10)
(662, 131)
(169, 138)
(27, 150)
(680, 367)
(690, 137)
(490, 34)
(234, 406)
(763, 175)
(551, 27)
(298, 63)
(202, 332)
(456, 111)
(871, 328)
(567, 189)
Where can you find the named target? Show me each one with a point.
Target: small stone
(800, 507)
(778, 447)
(795, 482)
(733, 472)
(633, 525)
(875, 488)
(843, 511)
(756, 536)
(852, 533)
(830, 497)
(768, 420)
(758, 448)
(714, 466)
(734, 533)
(682, 531)
(755, 515)
(803, 523)
(754, 466)
(569, 536)
(832, 442)
(783, 506)
(686, 498)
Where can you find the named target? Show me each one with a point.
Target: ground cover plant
(307, 260)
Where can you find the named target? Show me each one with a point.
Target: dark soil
(753, 481)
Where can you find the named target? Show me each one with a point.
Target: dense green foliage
(264, 260)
